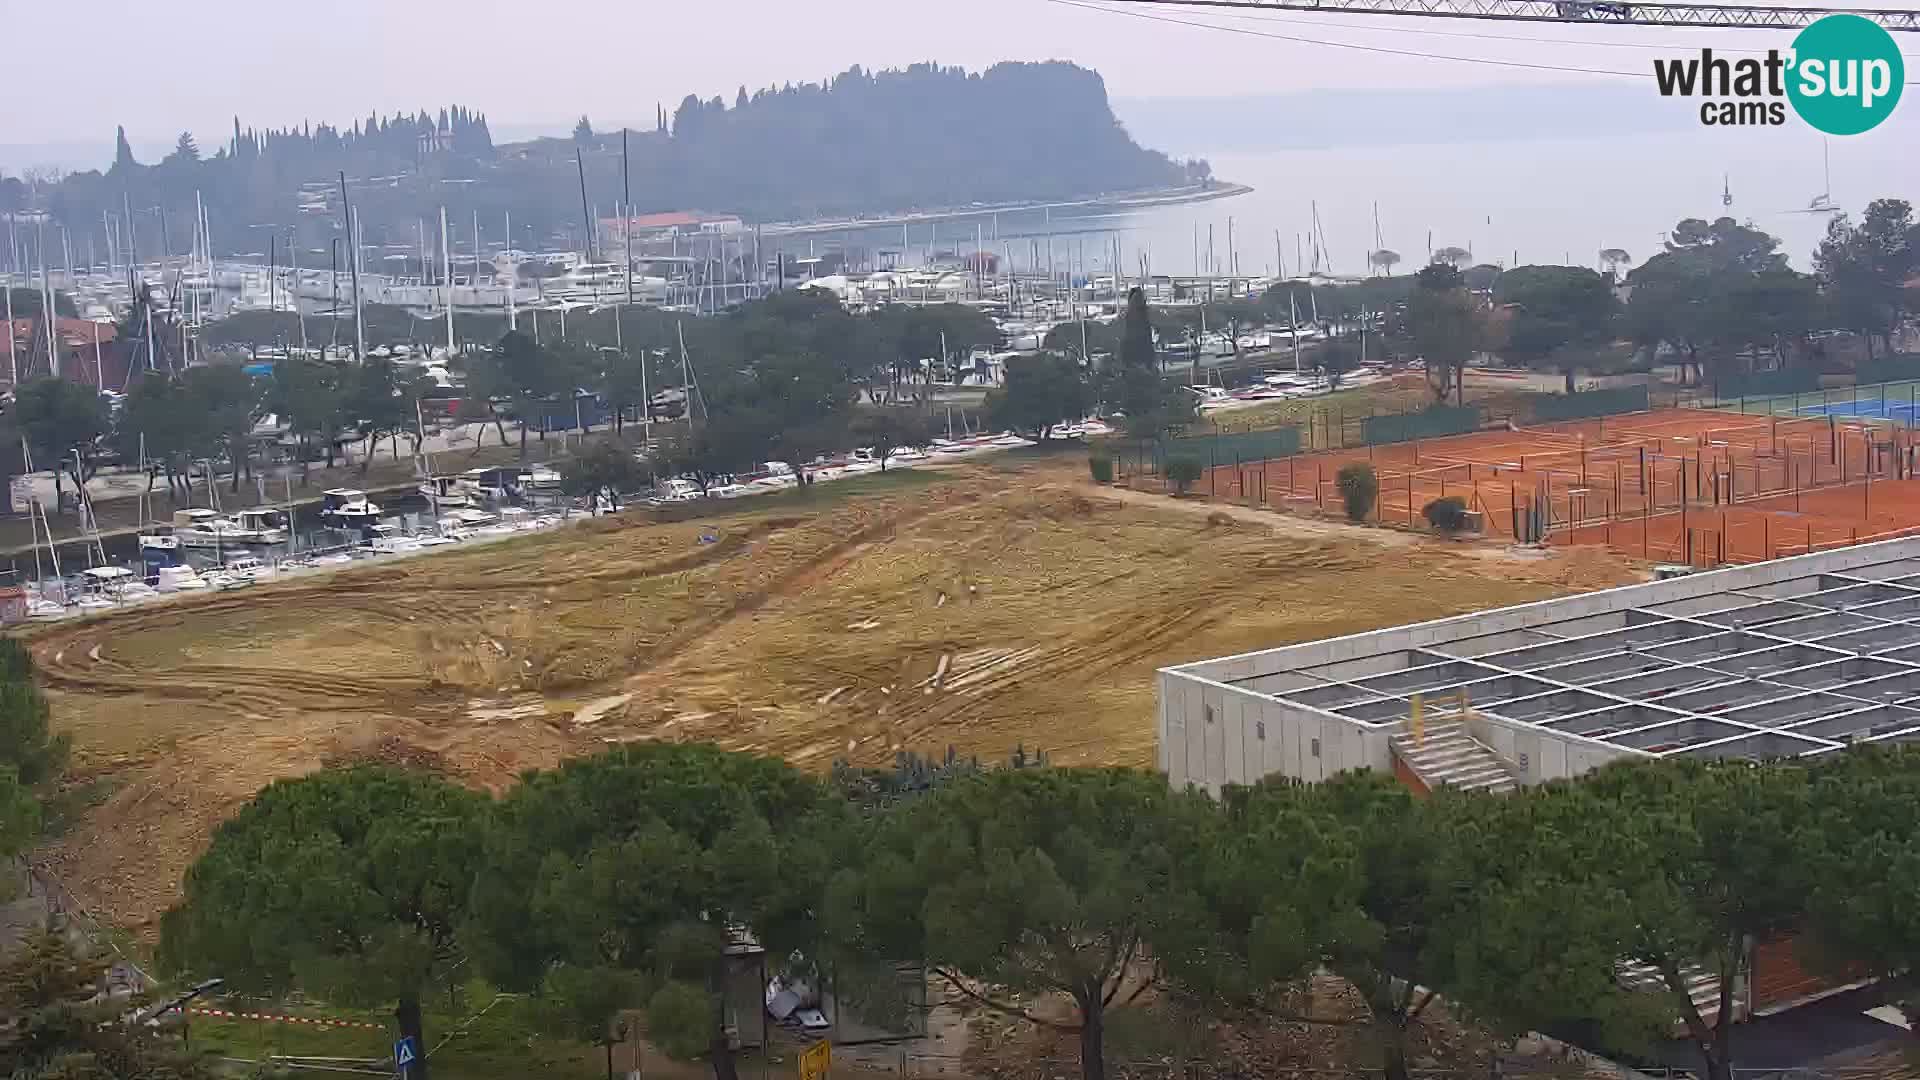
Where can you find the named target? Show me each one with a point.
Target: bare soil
(1003, 604)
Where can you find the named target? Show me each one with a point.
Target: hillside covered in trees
(860, 142)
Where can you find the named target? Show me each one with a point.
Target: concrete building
(1791, 657)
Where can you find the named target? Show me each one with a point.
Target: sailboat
(39, 604)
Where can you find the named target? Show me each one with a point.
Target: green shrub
(1358, 489)
(1101, 466)
(1447, 514)
(680, 1020)
(1182, 472)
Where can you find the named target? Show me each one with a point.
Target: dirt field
(1000, 604)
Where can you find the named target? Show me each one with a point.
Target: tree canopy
(1602, 905)
(1026, 881)
(350, 882)
(654, 858)
(1040, 391)
(858, 142)
(1865, 268)
(1441, 317)
(1555, 308)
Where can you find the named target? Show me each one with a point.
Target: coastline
(1118, 203)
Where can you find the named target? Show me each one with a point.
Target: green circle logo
(1847, 74)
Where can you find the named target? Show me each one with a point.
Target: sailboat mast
(586, 216)
(626, 211)
(1293, 318)
(47, 313)
(13, 362)
(513, 275)
(353, 271)
(293, 256)
(446, 277)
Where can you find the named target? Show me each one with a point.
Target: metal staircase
(1438, 746)
(1445, 754)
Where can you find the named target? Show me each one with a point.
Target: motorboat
(347, 508)
(248, 566)
(1211, 397)
(114, 584)
(180, 578)
(158, 543)
(204, 528)
(261, 525)
(678, 490)
(238, 572)
(446, 492)
(389, 540)
(907, 453)
(863, 460)
(198, 527)
(490, 483)
(462, 524)
(40, 607)
(541, 478)
(776, 474)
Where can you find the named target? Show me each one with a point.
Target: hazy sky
(158, 70)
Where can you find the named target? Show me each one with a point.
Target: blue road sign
(405, 1052)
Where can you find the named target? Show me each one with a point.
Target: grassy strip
(498, 1043)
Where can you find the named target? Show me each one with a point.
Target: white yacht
(777, 474)
(179, 579)
(158, 540)
(201, 527)
(462, 524)
(446, 492)
(114, 584)
(591, 281)
(347, 508)
(1211, 397)
(238, 572)
(389, 540)
(261, 525)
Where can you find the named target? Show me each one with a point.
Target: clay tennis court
(1680, 485)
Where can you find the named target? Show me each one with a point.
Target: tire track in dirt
(815, 569)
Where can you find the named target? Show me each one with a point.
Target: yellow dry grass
(1000, 605)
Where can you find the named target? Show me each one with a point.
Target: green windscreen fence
(1589, 403)
(1762, 383)
(1230, 447)
(1429, 424)
(1897, 368)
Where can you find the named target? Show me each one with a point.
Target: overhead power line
(1601, 12)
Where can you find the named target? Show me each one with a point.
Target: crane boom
(1608, 12)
